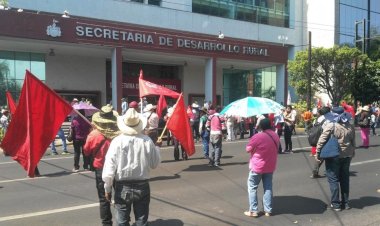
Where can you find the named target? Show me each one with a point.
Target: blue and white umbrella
(251, 106)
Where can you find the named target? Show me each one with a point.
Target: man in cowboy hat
(97, 144)
(152, 121)
(129, 159)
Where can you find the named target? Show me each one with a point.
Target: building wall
(72, 72)
(130, 12)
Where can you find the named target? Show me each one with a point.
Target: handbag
(332, 148)
(71, 135)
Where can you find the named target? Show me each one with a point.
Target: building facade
(210, 50)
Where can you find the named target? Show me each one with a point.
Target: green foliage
(4, 3)
(7, 84)
(331, 71)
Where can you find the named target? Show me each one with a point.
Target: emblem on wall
(53, 30)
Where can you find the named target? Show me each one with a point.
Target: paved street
(191, 193)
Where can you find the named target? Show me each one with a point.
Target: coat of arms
(53, 30)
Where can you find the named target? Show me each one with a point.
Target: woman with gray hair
(338, 168)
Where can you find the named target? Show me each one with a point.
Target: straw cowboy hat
(131, 123)
(105, 121)
(150, 107)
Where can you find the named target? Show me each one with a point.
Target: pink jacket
(263, 150)
(215, 123)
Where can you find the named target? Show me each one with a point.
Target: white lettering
(149, 39)
(89, 32)
(107, 33)
(115, 35)
(124, 33)
(79, 31)
(98, 32)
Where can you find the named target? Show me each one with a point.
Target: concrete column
(281, 84)
(210, 80)
(116, 78)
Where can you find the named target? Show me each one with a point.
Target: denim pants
(338, 176)
(205, 141)
(104, 205)
(61, 135)
(132, 193)
(78, 149)
(253, 183)
(216, 142)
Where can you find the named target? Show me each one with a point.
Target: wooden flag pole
(166, 124)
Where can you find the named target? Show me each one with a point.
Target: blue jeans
(253, 183)
(61, 135)
(338, 176)
(128, 193)
(216, 142)
(205, 141)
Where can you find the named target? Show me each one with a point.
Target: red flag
(39, 115)
(148, 88)
(179, 125)
(161, 105)
(11, 103)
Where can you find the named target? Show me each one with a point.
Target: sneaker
(268, 214)
(337, 209)
(314, 176)
(216, 164)
(346, 206)
(75, 170)
(251, 214)
(54, 153)
(65, 153)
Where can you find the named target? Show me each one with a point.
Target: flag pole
(166, 124)
(83, 117)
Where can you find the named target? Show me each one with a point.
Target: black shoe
(314, 176)
(346, 207)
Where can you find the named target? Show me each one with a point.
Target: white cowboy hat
(131, 123)
(195, 105)
(365, 108)
(149, 107)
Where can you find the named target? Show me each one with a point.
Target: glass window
(238, 84)
(154, 2)
(12, 71)
(271, 12)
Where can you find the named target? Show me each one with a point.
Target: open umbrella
(251, 106)
(88, 109)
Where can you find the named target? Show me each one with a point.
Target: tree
(331, 71)
(366, 85)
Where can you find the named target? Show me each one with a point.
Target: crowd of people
(121, 150)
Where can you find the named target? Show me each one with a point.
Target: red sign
(130, 86)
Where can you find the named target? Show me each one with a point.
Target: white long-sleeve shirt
(129, 158)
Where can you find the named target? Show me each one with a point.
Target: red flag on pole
(179, 125)
(148, 88)
(11, 103)
(39, 115)
(161, 105)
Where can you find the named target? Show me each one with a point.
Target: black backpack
(314, 133)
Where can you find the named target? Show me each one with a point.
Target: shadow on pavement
(175, 176)
(57, 174)
(206, 167)
(169, 222)
(364, 202)
(299, 205)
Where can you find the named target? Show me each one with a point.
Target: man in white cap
(129, 159)
(4, 120)
(152, 122)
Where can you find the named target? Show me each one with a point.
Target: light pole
(283, 39)
(309, 75)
